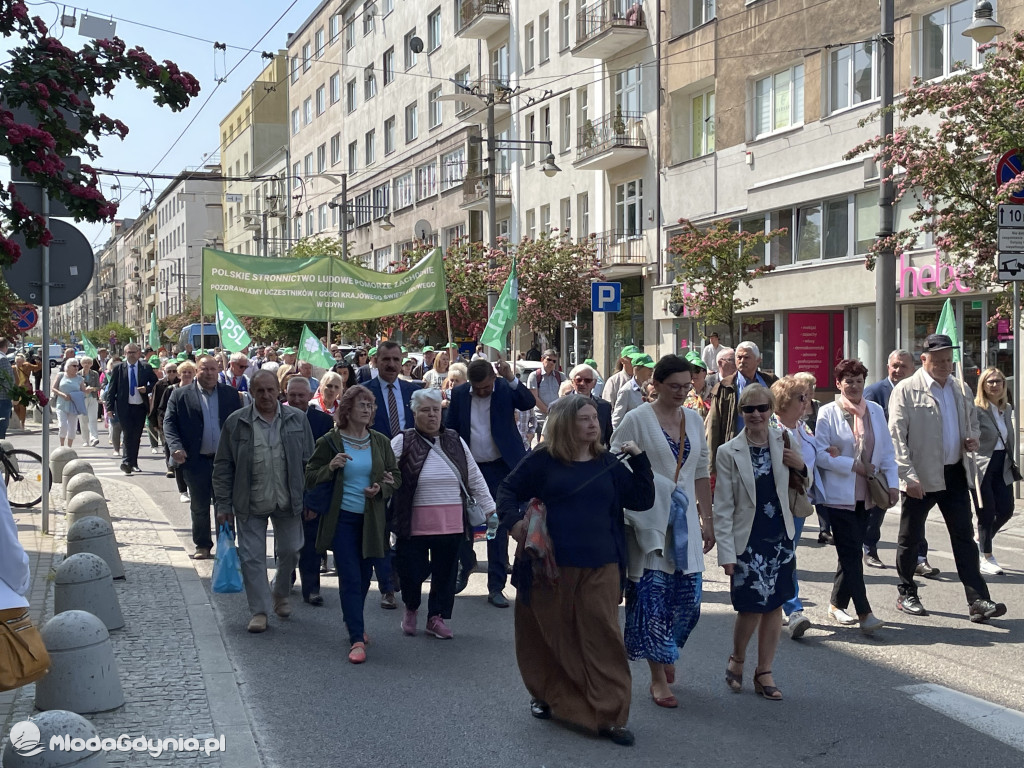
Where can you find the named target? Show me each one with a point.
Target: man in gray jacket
(259, 475)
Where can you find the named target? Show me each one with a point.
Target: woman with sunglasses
(667, 543)
(754, 530)
(582, 381)
(995, 459)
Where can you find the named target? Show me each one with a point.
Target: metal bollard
(84, 583)
(86, 504)
(29, 742)
(96, 536)
(83, 673)
(71, 469)
(83, 481)
(59, 458)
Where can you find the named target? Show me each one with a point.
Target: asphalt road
(930, 691)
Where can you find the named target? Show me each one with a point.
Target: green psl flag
(154, 332)
(312, 350)
(506, 312)
(947, 327)
(90, 348)
(232, 332)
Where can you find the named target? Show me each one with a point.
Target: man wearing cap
(617, 380)
(367, 373)
(426, 365)
(695, 399)
(724, 420)
(543, 385)
(631, 395)
(710, 352)
(934, 427)
(599, 386)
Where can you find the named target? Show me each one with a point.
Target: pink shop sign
(936, 279)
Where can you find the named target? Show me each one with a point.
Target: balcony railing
(475, 189)
(622, 129)
(479, 19)
(617, 248)
(604, 15)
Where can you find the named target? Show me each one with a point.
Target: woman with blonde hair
(329, 393)
(995, 463)
(434, 378)
(457, 374)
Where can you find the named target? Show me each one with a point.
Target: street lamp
(984, 27)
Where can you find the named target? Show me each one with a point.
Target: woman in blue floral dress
(754, 530)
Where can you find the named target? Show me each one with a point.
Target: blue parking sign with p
(605, 297)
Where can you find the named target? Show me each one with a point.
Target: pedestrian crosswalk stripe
(999, 722)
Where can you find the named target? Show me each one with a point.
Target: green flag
(312, 350)
(232, 332)
(505, 314)
(947, 327)
(89, 348)
(154, 332)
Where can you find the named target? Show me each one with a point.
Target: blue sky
(237, 23)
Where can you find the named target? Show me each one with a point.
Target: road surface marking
(1000, 723)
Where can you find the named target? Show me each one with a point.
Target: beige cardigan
(736, 496)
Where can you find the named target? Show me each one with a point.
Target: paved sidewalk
(177, 678)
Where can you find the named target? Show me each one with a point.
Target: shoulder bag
(23, 657)
(878, 486)
(799, 504)
(475, 514)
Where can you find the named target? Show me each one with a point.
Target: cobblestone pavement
(176, 676)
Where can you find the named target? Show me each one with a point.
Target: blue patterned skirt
(661, 611)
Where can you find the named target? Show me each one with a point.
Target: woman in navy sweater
(568, 643)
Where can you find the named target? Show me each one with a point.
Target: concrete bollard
(83, 583)
(96, 536)
(71, 469)
(86, 504)
(83, 482)
(29, 743)
(59, 458)
(83, 673)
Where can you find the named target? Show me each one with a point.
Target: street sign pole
(45, 289)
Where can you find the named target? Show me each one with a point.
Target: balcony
(620, 252)
(474, 192)
(610, 141)
(488, 86)
(483, 18)
(608, 27)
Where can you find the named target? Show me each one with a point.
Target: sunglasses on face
(762, 408)
(550, 360)
(581, 380)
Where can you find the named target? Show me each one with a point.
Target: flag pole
(447, 307)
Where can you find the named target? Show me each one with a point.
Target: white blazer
(838, 480)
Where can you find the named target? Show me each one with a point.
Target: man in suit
(192, 425)
(128, 395)
(934, 427)
(393, 396)
(371, 370)
(583, 379)
(901, 365)
(426, 365)
(483, 412)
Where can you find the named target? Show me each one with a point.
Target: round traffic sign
(25, 317)
(1009, 167)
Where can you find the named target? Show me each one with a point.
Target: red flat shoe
(669, 702)
(358, 653)
(670, 673)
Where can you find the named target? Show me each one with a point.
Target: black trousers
(996, 502)
(955, 505)
(309, 558)
(873, 533)
(199, 479)
(848, 529)
(435, 556)
(133, 420)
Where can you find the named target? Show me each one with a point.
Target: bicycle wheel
(28, 491)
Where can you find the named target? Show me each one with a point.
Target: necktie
(132, 381)
(396, 427)
(234, 382)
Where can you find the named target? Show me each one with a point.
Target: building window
(545, 219)
(426, 180)
(852, 76)
(779, 100)
(307, 164)
(362, 210)
(434, 107)
(350, 96)
(321, 158)
(452, 235)
(353, 156)
(389, 135)
(335, 88)
(387, 7)
(545, 124)
(410, 55)
(697, 12)
(389, 66)
(531, 136)
(321, 100)
(583, 209)
(322, 217)
(564, 16)
(943, 43)
(629, 203)
(295, 121)
(434, 30)
(307, 111)
(702, 124)
(565, 121)
(350, 34)
(627, 91)
(381, 258)
(306, 53)
(528, 35)
(381, 200)
(334, 27)
(565, 209)
(865, 220)
(370, 144)
(368, 12)
(499, 64)
(319, 42)
(335, 149)
(462, 78)
(298, 227)
(369, 83)
(412, 129)
(453, 168)
(531, 224)
(544, 38)
(404, 191)
(296, 176)
(295, 69)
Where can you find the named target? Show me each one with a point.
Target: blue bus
(200, 336)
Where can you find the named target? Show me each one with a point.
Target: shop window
(760, 329)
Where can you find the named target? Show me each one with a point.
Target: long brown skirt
(570, 649)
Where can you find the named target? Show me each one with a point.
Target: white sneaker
(94, 442)
(839, 616)
(990, 567)
(155, 451)
(798, 624)
(870, 624)
(185, 498)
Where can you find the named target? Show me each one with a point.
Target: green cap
(154, 360)
(629, 351)
(452, 345)
(287, 351)
(408, 360)
(404, 350)
(182, 356)
(642, 360)
(372, 352)
(694, 359)
(428, 348)
(591, 362)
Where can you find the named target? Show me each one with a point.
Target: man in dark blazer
(192, 424)
(370, 370)
(497, 447)
(128, 396)
(901, 365)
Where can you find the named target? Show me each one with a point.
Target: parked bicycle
(23, 476)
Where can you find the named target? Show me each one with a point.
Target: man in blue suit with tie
(394, 414)
(901, 365)
(483, 412)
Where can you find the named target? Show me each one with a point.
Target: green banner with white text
(320, 289)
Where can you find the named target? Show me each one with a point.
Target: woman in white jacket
(663, 594)
(853, 444)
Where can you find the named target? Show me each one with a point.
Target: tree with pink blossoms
(57, 86)
(950, 136)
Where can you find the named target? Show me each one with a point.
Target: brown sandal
(769, 692)
(734, 681)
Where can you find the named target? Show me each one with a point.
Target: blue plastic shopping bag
(227, 570)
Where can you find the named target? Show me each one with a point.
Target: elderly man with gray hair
(235, 376)
(583, 379)
(724, 421)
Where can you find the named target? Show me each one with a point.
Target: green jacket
(318, 470)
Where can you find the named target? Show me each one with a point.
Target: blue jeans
(795, 605)
(353, 572)
(5, 417)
